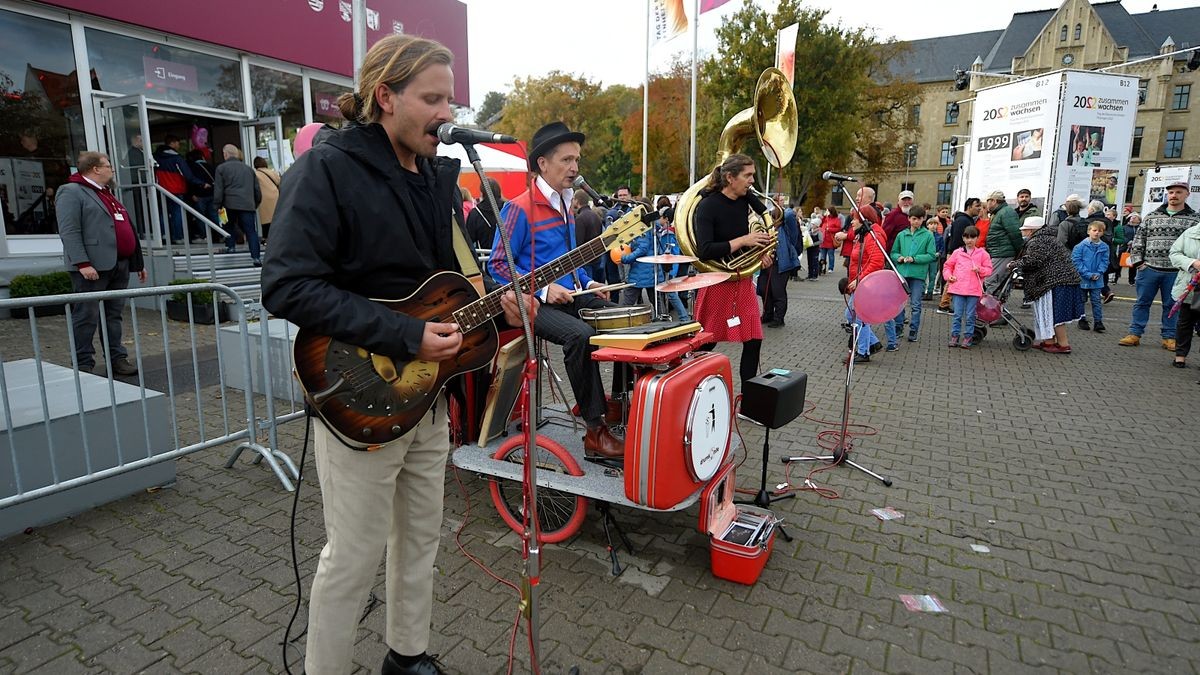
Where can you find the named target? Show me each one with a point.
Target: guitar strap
(466, 256)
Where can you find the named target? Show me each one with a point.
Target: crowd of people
(1062, 265)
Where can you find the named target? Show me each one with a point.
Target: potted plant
(203, 309)
(37, 285)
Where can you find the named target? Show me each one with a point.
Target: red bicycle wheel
(560, 514)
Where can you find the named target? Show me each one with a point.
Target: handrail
(187, 207)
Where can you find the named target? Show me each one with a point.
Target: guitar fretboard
(488, 307)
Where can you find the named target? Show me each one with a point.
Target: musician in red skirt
(720, 227)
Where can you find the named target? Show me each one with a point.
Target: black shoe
(1099, 327)
(874, 348)
(1084, 325)
(862, 358)
(426, 664)
(777, 323)
(766, 319)
(257, 263)
(124, 368)
(1108, 297)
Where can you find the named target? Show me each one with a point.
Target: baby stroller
(992, 309)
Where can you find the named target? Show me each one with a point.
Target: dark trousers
(561, 325)
(246, 221)
(772, 286)
(814, 261)
(1185, 328)
(85, 316)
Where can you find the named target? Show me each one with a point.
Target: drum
(608, 319)
(679, 431)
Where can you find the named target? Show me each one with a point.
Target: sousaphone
(772, 122)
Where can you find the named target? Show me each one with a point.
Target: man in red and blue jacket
(541, 229)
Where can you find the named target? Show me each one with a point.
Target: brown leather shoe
(615, 413)
(599, 442)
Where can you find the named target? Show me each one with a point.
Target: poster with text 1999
(1096, 131)
(1013, 138)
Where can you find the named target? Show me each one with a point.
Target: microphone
(452, 133)
(829, 175)
(581, 184)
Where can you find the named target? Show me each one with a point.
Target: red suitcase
(680, 425)
(738, 553)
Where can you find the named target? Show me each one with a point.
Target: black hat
(549, 137)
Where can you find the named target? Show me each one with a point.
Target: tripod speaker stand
(841, 454)
(771, 400)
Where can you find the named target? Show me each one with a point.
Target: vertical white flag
(785, 52)
(667, 19)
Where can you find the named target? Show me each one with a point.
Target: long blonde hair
(394, 61)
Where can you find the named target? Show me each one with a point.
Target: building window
(948, 152)
(1179, 98)
(41, 120)
(1062, 34)
(1078, 31)
(127, 65)
(945, 192)
(324, 102)
(952, 113)
(1143, 91)
(1129, 189)
(276, 94)
(915, 115)
(910, 156)
(1136, 151)
(1174, 146)
(908, 186)
(836, 198)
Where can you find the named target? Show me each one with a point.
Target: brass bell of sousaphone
(772, 121)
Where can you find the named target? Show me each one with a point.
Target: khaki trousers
(390, 499)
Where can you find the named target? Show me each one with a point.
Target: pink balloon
(304, 138)
(988, 309)
(879, 297)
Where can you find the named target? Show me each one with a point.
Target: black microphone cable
(292, 537)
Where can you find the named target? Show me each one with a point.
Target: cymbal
(668, 258)
(692, 281)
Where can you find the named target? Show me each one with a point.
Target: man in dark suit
(100, 249)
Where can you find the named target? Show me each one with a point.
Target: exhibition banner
(1098, 114)
(1013, 129)
(1157, 180)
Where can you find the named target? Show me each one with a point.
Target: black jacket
(347, 229)
(481, 224)
(954, 238)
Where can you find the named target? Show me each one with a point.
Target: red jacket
(894, 223)
(830, 225)
(872, 255)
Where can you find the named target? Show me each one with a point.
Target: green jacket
(919, 246)
(1004, 234)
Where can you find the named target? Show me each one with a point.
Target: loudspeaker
(774, 398)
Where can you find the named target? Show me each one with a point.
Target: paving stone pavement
(1077, 472)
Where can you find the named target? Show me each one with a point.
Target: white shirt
(556, 199)
(98, 186)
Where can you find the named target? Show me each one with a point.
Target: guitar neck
(488, 307)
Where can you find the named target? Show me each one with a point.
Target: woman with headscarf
(1051, 285)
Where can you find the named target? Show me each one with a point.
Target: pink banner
(313, 33)
(706, 5)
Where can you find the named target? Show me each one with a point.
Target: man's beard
(905, 209)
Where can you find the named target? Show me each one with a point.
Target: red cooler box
(742, 536)
(679, 429)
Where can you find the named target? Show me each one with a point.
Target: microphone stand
(531, 573)
(841, 453)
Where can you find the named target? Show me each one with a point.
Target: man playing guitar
(541, 228)
(369, 213)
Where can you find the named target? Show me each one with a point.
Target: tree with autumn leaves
(851, 111)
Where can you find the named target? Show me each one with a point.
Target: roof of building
(934, 59)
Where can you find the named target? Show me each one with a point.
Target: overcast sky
(603, 40)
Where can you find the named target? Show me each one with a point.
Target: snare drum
(607, 319)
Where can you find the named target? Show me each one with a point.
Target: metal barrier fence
(66, 428)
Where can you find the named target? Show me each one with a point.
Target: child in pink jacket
(964, 274)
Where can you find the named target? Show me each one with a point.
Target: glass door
(264, 138)
(127, 134)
